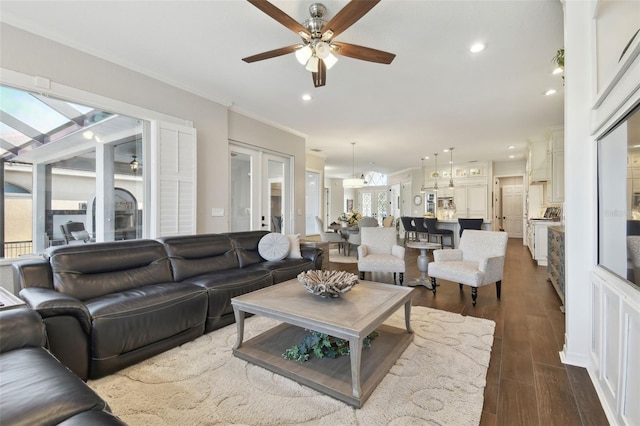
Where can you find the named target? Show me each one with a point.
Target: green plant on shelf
(322, 345)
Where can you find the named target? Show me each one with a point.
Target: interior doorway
(509, 205)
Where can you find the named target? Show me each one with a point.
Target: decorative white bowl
(327, 283)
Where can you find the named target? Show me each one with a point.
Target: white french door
(260, 193)
(375, 203)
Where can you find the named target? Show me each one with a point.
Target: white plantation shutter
(174, 160)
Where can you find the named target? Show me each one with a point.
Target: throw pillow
(81, 235)
(294, 246)
(273, 246)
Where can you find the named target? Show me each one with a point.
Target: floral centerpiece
(350, 218)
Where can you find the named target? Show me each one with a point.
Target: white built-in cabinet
(538, 161)
(471, 201)
(556, 145)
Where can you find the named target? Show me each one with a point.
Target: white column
(41, 201)
(105, 209)
(580, 205)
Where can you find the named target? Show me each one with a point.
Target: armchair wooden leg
(401, 278)
(433, 285)
(460, 284)
(498, 286)
(474, 295)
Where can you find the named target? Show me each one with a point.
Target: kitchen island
(453, 225)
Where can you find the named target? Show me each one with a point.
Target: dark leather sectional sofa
(109, 305)
(35, 389)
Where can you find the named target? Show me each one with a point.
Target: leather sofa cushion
(93, 270)
(246, 244)
(224, 285)
(132, 319)
(36, 389)
(200, 254)
(285, 269)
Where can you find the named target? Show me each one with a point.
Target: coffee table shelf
(326, 375)
(351, 317)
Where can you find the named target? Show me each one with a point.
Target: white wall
(32, 55)
(602, 311)
(509, 168)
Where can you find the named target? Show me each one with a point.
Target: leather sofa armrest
(313, 254)
(50, 303)
(33, 273)
(21, 328)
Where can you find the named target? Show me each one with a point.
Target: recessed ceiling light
(550, 92)
(306, 97)
(557, 71)
(426, 157)
(512, 156)
(88, 134)
(477, 47)
(511, 147)
(445, 150)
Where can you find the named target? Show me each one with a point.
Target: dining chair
(330, 237)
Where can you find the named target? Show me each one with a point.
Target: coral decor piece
(327, 283)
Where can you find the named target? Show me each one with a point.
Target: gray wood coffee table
(352, 317)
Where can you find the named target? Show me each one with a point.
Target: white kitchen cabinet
(556, 144)
(538, 161)
(538, 240)
(471, 201)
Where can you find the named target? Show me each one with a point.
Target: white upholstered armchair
(478, 261)
(379, 252)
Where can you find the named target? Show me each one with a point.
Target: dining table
(344, 232)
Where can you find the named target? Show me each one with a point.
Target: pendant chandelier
(353, 182)
(436, 174)
(451, 172)
(423, 188)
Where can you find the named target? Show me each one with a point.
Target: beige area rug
(336, 257)
(438, 380)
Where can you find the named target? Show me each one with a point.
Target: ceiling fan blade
(362, 53)
(280, 16)
(271, 54)
(320, 77)
(348, 15)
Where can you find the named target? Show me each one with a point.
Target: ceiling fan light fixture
(312, 64)
(303, 54)
(330, 60)
(322, 50)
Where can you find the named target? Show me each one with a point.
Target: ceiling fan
(317, 48)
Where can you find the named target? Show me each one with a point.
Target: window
(68, 148)
(619, 199)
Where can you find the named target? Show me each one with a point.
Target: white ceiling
(435, 94)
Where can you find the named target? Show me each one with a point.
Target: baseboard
(608, 411)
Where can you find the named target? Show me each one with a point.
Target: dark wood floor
(526, 382)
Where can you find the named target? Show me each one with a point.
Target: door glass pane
(129, 190)
(72, 189)
(382, 205)
(367, 207)
(275, 195)
(240, 192)
(312, 201)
